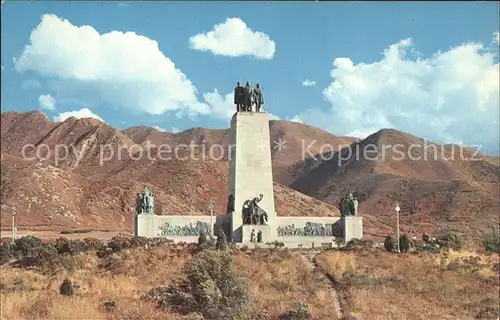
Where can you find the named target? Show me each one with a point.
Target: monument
(145, 202)
(352, 224)
(250, 175)
(250, 216)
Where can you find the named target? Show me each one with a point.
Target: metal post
(212, 219)
(13, 227)
(397, 227)
(212, 207)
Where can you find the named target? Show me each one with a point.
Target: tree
(221, 243)
(389, 244)
(404, 243)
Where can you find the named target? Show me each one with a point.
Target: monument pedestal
(145, 225)
(250, 170)
(353, 228)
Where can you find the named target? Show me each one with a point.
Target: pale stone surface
(250, 168)
(300, 222)
(247, 231)
(353, 228)
(149, 225)
(292, 245)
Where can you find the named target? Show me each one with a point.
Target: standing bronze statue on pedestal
(245, 98)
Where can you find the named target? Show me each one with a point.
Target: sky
(430, 69)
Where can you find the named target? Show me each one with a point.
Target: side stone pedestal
(145, 225)
(353, 228)
(246, 231)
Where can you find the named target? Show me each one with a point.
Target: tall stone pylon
(250, 171)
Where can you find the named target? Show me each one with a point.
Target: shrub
(491, 239)
(67, 288)
(389, 244)
(203, 241)
(221, 243)
(118, 243)
(76, 231)
(113, 264)
(139, 242)
(217, 292)
(299, 312)
(93, 243)
(48, 258)
(6, 251)
(357, 244)
(73, 247)
(404, 243)
(104, 251)
(24, 246)
(455, 241)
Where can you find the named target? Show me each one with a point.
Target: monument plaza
(250, 216)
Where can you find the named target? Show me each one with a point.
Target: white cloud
(125, 70)
(496, 38)
(31, 84)
(159, 128)
(273, 116)
(308, 83)
(234, 38)
(172, 130)
(449, 97)
(82, 113)
(47, 102)
(297, 119)
(358, 134)
(221, 107)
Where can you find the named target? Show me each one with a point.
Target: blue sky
(437, 82)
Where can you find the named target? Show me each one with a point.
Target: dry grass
(277, 281)
(280, 279)
(451, 285)
(28, 294)
(375, 285)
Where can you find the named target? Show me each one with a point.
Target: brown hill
(438, 187)
(82, 191)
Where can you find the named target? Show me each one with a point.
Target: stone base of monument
(146, 225)
(353, 228)
(246, 231)
(307, 241)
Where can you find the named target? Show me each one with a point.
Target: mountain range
(98, 171)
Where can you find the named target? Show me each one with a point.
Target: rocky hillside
(96, 183)
(79, 192)
(439, 187)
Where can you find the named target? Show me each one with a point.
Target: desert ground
(360, 281)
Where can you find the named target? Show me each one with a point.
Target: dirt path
(310, 258)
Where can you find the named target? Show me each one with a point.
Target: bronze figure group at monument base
(348, 205)
(145, 202)
(248, 98)
(252, 213)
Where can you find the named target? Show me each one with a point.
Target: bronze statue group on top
(247, 97)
